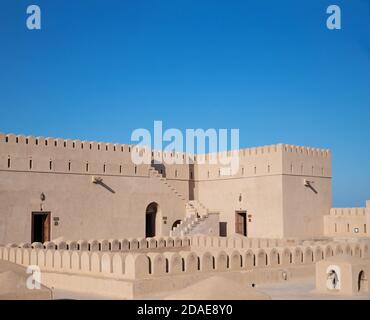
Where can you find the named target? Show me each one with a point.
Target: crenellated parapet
(54, 155)
(308, 151)
(347, 222)
(347, 212)
(44, 154)
(267, 160)
(128, 265)
(64, 144)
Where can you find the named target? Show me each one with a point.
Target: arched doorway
(150, 220)
(175, 224)
(362, 282)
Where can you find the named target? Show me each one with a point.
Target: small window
(291, 168)
(87, 167)
(223, 229)
(255, 170)
(6, 139)
(98, 146)
(176, 173)
(106, 148)
(69, 165)
(135, 169)
(268, 168)
(26, 140)
(65, 143)
(50, 165)
(73, 145)
(90, 146)
(129, 149)
(55, 143)
(114, 148)
(208, 173)
(37, 141)
(46, 142)
(191, 174)
(16, 140)
(347, 227)
(242, 171)
(121, 148)
(30, 164)
(365, 228)
(335, 227)
(82, 145)
(8, 162)
(120, 169)
(313, 169)
(104, 167)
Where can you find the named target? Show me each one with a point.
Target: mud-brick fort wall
(307, 190)
(348, 222)
(63, 170)
(271, 185)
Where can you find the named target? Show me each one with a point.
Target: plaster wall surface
(85, 210)
(268, 186)
(271, 185)
(347, 222)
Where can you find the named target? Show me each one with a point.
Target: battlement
(346, 212)
(55, 155)
(63, 143)
(263, 151)
(19, 152)
(75, 144)
(56, 144)
(308, 151)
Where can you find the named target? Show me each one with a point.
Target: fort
(91, 218)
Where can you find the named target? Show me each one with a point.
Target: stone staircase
(197, 216)
(193, 225)
(196, 207)
(153, 172)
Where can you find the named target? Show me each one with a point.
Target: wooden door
(41, 227)
(241, 222)
(46, 227)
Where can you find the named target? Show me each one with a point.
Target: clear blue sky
(99, 69)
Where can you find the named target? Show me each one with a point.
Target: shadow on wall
(191, 182)
(100, 182)
(309, 185)
(159, 167)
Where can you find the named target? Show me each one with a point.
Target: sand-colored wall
(85, 210)
(303, 206)
(303, 209)
(344, 222)
(271, 182)
(269, 185)
(168, 270)
(256, 188)
(261, 198)
(367, 213)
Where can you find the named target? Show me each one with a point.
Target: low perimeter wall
(127, 265)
